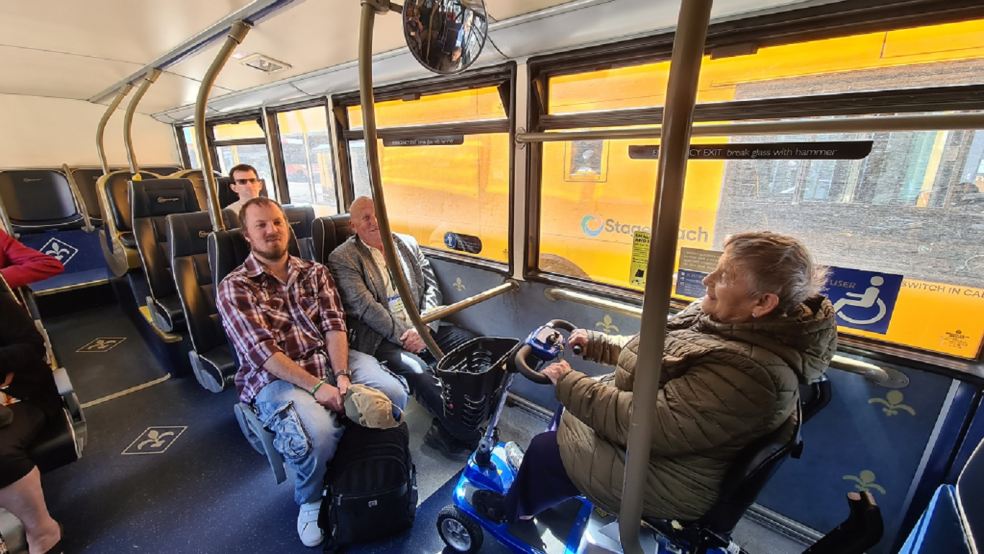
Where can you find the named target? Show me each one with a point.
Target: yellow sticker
(640, 258)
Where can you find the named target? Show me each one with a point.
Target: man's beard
(271, 253)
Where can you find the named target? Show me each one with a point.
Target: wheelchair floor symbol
(61, 250)
(864, 301)
(101, 344)
(154, 440)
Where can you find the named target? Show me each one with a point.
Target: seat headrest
(188, 233)
(160, 197)
(37, 195)
(227, 250)
(300, 219)
(329, 232)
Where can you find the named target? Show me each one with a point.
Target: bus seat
(197, 179)
(85, 180)
(748, 475)
(151, 202)
(39, 200)
(163, 170)
(327, 233)
(211, 359)
(227, 250)
(301, 219)
(260, 438)
(61, 442)
(954, 519)
(118, 245)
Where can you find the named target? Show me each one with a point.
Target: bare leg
(25, 499)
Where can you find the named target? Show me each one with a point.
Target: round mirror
(445, 36)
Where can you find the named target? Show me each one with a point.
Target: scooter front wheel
(460, 532)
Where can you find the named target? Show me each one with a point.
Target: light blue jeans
(306, 433)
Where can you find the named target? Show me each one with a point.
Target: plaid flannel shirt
(263, 316)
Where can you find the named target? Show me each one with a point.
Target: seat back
(211, 358)
(327, 233)
(117, 187)
(228, 249)
(39, 200)
(151, 202)
(197, 178)
(749, 473)
(85, 180)
(301, 219)
(163, 170)
(971, 502)
(188, 240)
(815, 397)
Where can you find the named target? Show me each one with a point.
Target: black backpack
(370, 488)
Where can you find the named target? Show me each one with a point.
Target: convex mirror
(446, 36)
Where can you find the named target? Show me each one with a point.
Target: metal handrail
(441, 312)
(235, 37)
(681, 96)
(101, 128)
(931, 122)
(872, 372)
(131, 108)
(367, 99)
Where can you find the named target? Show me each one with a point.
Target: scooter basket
(471, 377)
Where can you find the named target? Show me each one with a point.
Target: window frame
(740, 37)
(281, 165)
(502, 76)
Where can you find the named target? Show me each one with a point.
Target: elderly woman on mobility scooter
(732, 365)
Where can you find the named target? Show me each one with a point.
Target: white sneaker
(307, 524)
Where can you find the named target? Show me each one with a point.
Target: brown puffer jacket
(722, 386)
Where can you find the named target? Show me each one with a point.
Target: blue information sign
(689, 283)
(863, 299)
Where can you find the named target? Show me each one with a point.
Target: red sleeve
(22, 265)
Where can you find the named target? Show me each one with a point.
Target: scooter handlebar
(526, 350)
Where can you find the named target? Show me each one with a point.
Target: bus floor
(166, 468)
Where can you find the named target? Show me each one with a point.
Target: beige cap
(370, 408)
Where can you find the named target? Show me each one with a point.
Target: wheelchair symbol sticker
(863, 299)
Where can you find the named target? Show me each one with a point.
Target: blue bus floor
(166, 469)
(102, 351)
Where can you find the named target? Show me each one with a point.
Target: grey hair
(779, 264)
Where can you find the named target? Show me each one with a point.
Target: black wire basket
(471, 378)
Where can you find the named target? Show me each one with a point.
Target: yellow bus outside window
(937, 55)
(914, 206)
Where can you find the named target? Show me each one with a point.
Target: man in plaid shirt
(285, 320)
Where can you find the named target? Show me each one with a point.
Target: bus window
(191, 146)
(307, 154)
(449, 180)
(930, 56)
(912, 207)
(243, 142)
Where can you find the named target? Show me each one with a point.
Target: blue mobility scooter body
(571, 527)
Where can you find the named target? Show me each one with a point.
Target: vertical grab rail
(131, 108)
(101, 128)
(688, 49)
(368, 100)
(235, 37)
